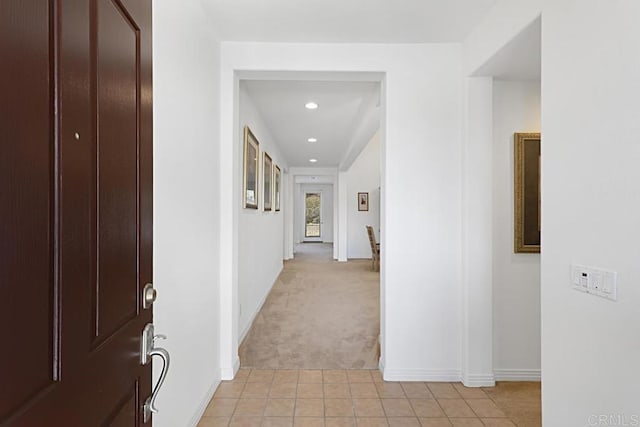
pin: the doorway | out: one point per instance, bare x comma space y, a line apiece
313, 217
312, 147
509, 89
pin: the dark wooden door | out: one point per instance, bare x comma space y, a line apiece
75, 211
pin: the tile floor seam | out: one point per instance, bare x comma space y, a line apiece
472, 410
438, 403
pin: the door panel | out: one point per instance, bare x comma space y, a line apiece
27, 245
116, 167
75, 211
124, 414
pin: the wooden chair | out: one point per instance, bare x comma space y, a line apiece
375, 249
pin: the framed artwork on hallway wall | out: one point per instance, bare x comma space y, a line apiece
267, 181
250, 170
527, 197
363, 201
276, 186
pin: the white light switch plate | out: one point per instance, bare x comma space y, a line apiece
595, 281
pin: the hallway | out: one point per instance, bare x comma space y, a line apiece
320, 314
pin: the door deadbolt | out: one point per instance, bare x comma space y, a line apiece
148, 296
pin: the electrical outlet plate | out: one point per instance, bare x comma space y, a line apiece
595, 281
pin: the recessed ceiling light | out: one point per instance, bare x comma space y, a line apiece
312, 140
310, 105
313, 160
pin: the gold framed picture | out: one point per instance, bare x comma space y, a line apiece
276, 185
363, 201
267, 181
250, 170
527, 197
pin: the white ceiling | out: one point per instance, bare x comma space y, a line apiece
519, 59
342, 105
314, 179
346, 21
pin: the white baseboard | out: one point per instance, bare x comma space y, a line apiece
246, 330
517, 374
203, 404
479, 380
227, 374
236, 366
421, 375
476, 380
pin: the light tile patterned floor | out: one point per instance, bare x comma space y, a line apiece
339, 398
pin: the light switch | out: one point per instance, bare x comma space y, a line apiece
609, 282
595, 281
584, 279
580, 276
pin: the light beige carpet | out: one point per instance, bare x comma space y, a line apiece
320, 314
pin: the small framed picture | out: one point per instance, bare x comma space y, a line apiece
276, 185
267, 169
363, 201
250, 170
527, 193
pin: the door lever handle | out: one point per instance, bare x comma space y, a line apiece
150, 404
147, 351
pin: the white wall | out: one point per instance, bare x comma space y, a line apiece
363, 177
476, 302
260, 233
506, 20
342, 214
287, 194
186, 208
590, 209
590, 205
516, 277
420, 181
326, 214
